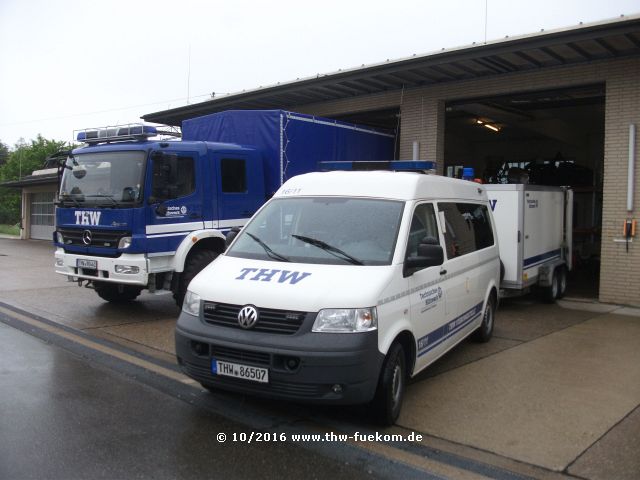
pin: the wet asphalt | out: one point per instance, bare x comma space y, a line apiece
62, 417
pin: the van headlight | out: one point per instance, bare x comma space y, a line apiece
191, 304
346, 320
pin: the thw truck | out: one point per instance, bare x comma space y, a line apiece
534, 225
134, 213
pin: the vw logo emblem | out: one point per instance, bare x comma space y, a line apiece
248, 316
86, 237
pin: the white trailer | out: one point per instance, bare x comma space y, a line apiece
534, 225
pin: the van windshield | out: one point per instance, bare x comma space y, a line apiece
325, 230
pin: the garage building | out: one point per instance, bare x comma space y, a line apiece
563, 103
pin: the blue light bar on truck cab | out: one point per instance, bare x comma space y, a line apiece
394, 165
112, 134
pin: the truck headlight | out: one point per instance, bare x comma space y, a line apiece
125, 242
59, 237
191, 304
346, 320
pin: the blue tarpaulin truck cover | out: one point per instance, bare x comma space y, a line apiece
291, 143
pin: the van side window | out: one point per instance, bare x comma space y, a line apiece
468, 228
423, 224
233, 172
173, 177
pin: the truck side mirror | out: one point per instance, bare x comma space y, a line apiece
161, 210
231, 235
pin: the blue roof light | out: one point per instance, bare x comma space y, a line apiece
134, 131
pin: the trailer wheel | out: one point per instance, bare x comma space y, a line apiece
562, 281
551, 293
196, 262
485, 330
390, 392
116, 293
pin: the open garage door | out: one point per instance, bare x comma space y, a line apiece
551, 137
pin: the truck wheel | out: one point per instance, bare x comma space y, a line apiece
550, 293
195, 264
390, 392
485, 330
115, 292
562, 281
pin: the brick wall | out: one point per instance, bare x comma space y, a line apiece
423, 120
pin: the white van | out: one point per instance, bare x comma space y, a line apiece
343, 286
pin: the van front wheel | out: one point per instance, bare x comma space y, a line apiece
391, 385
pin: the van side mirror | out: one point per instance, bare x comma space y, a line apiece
429, 255
231, 235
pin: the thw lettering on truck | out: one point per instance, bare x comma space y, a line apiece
269, 274
87, 218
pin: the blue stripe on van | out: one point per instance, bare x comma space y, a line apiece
441, 334
538, 259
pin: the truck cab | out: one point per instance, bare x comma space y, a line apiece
134, 213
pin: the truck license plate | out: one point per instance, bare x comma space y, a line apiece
228, 369
82, 263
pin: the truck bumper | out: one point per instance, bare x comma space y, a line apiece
339, 369
67, 264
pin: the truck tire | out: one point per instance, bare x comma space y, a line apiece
387, 401
116, 292
485, 330
195, 264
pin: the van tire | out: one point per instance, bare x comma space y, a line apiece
484, 332
196, 262
387, 401
116, 292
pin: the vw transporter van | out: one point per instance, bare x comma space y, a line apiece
342, 287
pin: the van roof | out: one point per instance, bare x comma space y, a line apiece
382, 184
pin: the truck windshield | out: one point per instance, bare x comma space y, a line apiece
326, 230
110, 179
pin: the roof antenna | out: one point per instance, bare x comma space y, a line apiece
189, 75
486, 8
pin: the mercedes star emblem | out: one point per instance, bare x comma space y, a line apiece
86, 237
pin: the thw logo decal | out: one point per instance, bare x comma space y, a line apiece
88, 218
271, 274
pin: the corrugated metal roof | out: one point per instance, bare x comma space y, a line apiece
604, 40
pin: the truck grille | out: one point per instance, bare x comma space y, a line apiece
99, 238
283, 322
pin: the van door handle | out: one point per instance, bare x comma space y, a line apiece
443, 272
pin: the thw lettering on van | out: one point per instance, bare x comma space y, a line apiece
88, 218
493, 204
269, 274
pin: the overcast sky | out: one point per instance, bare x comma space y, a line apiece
67, 65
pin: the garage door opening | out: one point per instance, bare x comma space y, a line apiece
551, 137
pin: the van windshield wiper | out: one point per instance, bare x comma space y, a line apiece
329, 248
267, 248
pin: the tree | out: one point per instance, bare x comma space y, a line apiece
22, 161
4, 154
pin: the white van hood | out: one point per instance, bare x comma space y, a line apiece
291, 286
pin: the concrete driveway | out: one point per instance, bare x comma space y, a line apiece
557, 388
